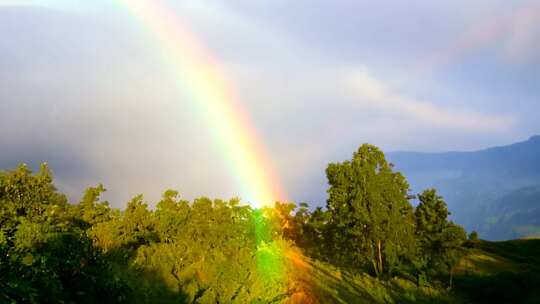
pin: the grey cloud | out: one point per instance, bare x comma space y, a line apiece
91, 95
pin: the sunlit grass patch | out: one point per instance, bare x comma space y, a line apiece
483, 263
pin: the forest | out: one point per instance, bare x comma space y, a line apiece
373, 242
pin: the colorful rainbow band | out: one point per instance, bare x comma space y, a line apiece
199, 74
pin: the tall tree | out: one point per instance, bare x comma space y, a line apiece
370, 211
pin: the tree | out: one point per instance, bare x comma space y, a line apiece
171, 216
370, 213
440, 239
473, 236
91, 210
137, 225
44, 256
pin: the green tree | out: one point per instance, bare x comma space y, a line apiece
473, 236
171, 216
440, 239
371, 216
91, 210
44, 256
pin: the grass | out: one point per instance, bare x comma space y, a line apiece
490, 272
500, 272
313, 281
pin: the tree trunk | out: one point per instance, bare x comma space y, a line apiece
380, 257
451, 277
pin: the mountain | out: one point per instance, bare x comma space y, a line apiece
492, 191
514, 215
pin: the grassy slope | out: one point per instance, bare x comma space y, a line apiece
312, 281
490, 272
500, 272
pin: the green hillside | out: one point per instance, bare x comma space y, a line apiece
489, 272
500, 272
318, 282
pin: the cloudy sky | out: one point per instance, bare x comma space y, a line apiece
84, 87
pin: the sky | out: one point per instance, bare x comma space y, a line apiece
84, 87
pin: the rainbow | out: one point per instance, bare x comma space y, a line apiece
198, 72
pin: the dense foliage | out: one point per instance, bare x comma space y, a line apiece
215, 251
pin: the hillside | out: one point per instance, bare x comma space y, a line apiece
489, 272
313, 281
480, 187
500, 272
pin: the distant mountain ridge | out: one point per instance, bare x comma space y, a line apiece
524, 158
484, 189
